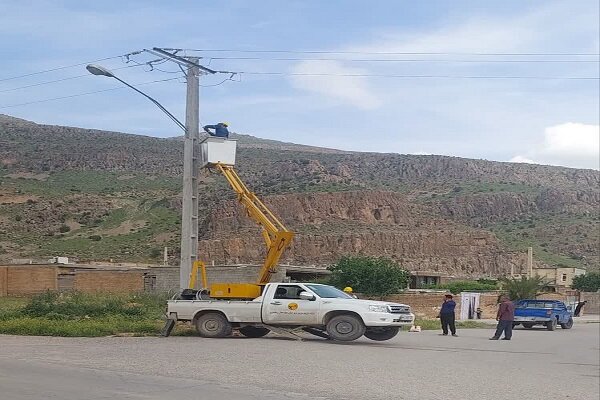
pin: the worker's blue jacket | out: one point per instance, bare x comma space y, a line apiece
220, 130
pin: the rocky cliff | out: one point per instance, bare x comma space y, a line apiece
97, 195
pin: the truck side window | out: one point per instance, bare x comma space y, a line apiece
288, 292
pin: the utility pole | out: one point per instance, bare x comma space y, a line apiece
189, 212
191, 151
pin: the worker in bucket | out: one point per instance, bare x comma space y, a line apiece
348, 291
220, 130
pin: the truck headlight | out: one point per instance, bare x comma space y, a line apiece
378, 308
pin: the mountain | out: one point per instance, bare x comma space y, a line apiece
92, 194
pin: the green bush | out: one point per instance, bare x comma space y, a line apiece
53, 305
82, 314
589, 282
524, 288
64, 229
456, 287
371, 276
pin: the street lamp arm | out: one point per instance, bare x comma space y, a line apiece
181, 125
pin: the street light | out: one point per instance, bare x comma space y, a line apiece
101, 71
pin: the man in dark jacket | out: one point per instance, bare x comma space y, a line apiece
447, 316
220, 130
505, 318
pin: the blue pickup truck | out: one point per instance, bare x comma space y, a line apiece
549, 313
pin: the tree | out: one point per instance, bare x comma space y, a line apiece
589, 282
373, 276
524, 288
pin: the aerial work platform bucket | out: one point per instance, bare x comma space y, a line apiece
215, 150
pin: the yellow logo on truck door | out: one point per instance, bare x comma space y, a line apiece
293, 306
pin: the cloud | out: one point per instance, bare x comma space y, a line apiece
521, 159
353, 90
570, 144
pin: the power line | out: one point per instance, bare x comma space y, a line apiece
420, 76
86, 93
386, 52
59, 68
397, 60
60, 80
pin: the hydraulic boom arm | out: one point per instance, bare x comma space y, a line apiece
276, 236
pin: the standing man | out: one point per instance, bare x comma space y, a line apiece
580, 305
447, 316
220, 130
505, 318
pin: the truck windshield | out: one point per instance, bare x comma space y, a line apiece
328, 292
539, 304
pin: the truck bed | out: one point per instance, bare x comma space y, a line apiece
237, 311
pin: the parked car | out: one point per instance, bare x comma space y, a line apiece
549, 313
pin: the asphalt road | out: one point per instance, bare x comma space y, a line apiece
536, 364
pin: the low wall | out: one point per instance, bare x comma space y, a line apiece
27, 280
108, 281
593, 302
167, 278
428, 305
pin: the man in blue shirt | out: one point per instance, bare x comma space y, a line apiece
447, 316
220, 130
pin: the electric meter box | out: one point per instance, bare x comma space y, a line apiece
215, 150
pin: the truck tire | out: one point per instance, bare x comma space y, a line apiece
527, 325
568, 324
254, 331
381, 334
213, 325
551, 325
345, 328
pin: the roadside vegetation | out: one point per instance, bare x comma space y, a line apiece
456, 287
589, 282
371, 276
434, 324
82, 314
524, 287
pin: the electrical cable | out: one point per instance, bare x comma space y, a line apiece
60, 68
86, 93
418, 76
61, 80
396, 60
388, 53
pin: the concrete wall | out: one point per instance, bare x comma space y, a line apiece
27, 280
167, 278
108, 281
593, 302
428, 305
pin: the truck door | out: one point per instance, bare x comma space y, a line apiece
283, 305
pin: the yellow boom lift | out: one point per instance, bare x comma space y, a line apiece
275, 234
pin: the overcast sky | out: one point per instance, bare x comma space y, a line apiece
445, 111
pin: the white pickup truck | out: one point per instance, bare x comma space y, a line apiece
321, 310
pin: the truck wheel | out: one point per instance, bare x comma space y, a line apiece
527, 326
345, 328
568, 324
254, 331
551, 325
381, 334
213, 325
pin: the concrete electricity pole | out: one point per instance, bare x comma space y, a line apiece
191, 153
191, 150
189, 211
